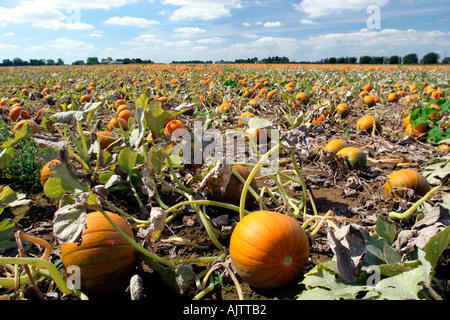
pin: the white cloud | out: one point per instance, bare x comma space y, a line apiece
43, 16
382, 38
262, 48
213, 40
143, 40
202, 9
131, 21
34, 49
270, 24
81, 4
8, 34
319, 8
67, 44
96, 33
57, 25
188, 32
250, 36
8, 46
306, 21
246, 24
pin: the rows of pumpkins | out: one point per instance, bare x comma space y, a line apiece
263, 256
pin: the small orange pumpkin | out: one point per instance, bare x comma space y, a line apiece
245, 114
31, 124
105, 139
418, 131
119, 102
406, 178
121, 107
106, 260
342, 110
369, 101
174, 125
17, 111
46, 170
335, 145
393, 97
271, 93
116, 123
268, 249
302, 97
355, 157
366, 123
85, 98
125, 114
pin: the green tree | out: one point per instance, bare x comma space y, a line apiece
394, 60
59, 62
430, 58
92, 61
410, 59
365, 60
446, 60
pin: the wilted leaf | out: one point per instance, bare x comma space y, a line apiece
348, 246
157, 224
68, 223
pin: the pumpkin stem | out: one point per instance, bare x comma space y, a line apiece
410, 211
50, 271
136, 245
250, 178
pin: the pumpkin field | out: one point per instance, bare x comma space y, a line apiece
224, 182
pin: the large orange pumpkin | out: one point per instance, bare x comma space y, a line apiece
106, 260
268, 249
406, 178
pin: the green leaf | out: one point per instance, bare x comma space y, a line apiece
436, 245
156, 116
10, 198
62, 181
6, 156
157, 156
127, 160
404, 286
7, 234
385, 230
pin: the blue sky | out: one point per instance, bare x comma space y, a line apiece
167, 30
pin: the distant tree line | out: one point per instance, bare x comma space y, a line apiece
31, 62
60, 62
412, 58
109, 60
